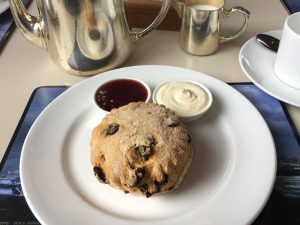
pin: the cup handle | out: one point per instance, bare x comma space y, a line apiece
227, 13
159, 18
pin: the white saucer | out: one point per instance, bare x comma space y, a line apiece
257, 63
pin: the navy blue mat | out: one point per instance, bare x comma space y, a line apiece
283, 206
292, 5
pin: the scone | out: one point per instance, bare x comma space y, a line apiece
141, 148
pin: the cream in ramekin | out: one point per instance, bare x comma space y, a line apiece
188, 99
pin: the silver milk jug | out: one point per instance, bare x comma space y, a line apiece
201, 22
84, 37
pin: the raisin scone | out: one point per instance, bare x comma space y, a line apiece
141, 148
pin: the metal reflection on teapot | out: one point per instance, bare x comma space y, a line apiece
200, 26
84, 37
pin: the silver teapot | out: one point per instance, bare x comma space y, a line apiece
84, 37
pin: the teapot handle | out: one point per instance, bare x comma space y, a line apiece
31, 27
161, 15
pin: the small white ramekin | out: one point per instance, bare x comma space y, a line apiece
194, 116
140, 82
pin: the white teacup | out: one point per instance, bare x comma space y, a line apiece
287, 62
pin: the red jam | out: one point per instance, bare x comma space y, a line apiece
116, 93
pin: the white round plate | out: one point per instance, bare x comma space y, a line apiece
230, 178
4, 5
257, 63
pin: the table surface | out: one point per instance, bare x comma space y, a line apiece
24, 67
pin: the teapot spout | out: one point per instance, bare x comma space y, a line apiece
178, 5
30, 26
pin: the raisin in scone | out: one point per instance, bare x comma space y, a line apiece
141, 148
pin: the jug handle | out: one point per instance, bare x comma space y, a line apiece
227, 13
178, 5
30, 26
161, 15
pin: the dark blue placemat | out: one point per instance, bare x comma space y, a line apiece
292, 5
283, 206
13, 207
